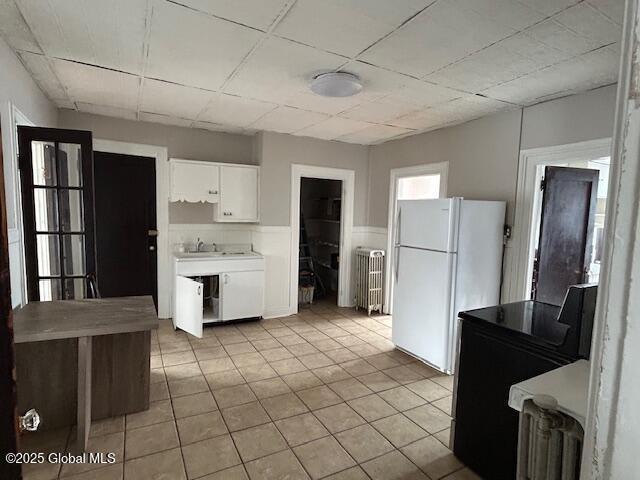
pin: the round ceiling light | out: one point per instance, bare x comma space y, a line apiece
336, 84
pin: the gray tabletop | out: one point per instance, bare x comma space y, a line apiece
41, 321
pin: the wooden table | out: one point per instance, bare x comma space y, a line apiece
83, 320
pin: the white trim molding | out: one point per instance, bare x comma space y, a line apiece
440, 168
347, 177
518, 284
162, 209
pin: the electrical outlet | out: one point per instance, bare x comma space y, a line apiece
507, 232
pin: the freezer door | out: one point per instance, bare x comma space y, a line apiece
429, 224
188, 305
422, 303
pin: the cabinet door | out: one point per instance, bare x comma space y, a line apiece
188, 306
242, 295
194, 182
239, 194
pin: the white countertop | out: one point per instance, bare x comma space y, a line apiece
199, 256
568, 385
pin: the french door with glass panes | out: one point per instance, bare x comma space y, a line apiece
56, 172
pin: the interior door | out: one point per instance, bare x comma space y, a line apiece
126, 231
566, 231
242, 294
421, 304
189, 303
56, 174
239, 187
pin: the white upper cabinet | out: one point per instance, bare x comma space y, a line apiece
238, 194
194, 181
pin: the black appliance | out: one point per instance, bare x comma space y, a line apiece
501, 346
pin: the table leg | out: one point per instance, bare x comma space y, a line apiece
84, 392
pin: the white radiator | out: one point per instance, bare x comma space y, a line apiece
549, 443
369, 279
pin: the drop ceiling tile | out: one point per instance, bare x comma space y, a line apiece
104, 33
40, 68
470, 107
614, 9
174, 100
424, 94
549, 7
305, 99
380, 111
280, 68
561, 38
257, 14
442, 34
333, 127
345, 27
590, 23
374, 134
237, 111
99, 86
216, 127
510, 13
287, 120
164, 119
107, 111
195, 49
15, 30
422, 120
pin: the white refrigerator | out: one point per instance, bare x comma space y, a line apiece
448, 258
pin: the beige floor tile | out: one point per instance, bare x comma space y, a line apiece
319, 397
323, 457
287, 366
278, 466
315, 360
331, 373
245, 359
258, 441
158, 391
155, 361
399, 430
401, 398
364, 443
258, 371
111, 472
445, 381
378, 381
238, 348
245, 416
157, 375
432, 457
167, 348
274, 354
463, 474
41, 471
216, 365
154, 438
194, 404
403, 374
365, 350
108, 425
339, 417
326, 345
444, 436
301, 349
231, 339
393, 465
188, 386
428, 390
354, 473
111, 443
270, 387
179, 372
283, 406
291, 340
210, 353
200, 427
301, 429
350, 388
302, 380
382, 361
232, 396
358, 367
281, 331
209, 456
430, 418
444, 404
422, 368
266, 344
228, 378
204, 342
340, 355
178, 358
372, 407
158, 412
233, 473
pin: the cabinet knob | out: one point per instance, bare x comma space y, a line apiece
213, 192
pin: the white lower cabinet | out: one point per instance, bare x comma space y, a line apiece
242, 294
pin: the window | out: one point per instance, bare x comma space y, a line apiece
419, 187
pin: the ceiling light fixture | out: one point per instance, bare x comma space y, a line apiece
336, 84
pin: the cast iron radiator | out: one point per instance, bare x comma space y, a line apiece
369, 279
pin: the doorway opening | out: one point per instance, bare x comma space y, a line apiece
319, 247
420, 182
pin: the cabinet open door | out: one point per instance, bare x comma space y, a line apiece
188, 306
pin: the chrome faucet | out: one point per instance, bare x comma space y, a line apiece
199, 245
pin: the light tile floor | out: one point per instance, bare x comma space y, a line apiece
322, 394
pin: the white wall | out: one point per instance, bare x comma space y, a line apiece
17, 89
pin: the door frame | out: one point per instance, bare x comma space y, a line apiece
162, 209
441, 168
299, 171
524, 232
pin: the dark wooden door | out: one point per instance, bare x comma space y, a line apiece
8, 435
566, 231
125, 198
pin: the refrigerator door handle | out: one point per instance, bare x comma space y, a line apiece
397, 260
398, 225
